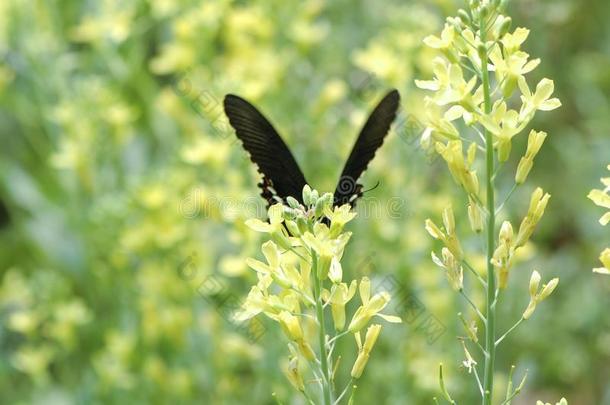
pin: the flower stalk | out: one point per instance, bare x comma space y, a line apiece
490, 304
326, 383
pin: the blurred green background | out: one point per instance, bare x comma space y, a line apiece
122, 191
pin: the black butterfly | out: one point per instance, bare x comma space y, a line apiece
281, 174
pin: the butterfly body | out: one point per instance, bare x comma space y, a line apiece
282, 176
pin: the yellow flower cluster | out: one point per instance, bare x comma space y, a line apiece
457, 87
302, 275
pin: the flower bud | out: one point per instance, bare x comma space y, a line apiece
319, 207
523, 169
534, 142
363, 354
464, 16
474, 216
505, 26
293, 228
433, 230
538, 203
281, 239
314, 197
292, 202
307, 200
335, 272
548, 289
506, 233
504, 147
534, 283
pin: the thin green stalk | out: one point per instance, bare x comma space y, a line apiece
322, 335
490, 325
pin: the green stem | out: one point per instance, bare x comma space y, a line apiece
317, 286
490, 325
515, 326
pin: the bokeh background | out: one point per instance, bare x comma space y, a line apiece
123, 196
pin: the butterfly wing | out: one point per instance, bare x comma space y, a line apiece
281, 174
369, 140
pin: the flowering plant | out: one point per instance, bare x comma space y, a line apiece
301, 282
481, 101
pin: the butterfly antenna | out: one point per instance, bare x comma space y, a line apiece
372, 188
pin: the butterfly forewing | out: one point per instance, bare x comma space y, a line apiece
369, 140
282, 176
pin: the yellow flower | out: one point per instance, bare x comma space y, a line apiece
512, 42
273, 267
276, 218
338, 296
275, 226
540, 100
504, 124
339, 216
329, 250
445, 41
511, 68
370, 307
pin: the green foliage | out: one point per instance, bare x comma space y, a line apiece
124, 243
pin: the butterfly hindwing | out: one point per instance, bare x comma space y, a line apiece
369, 140
282, 176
